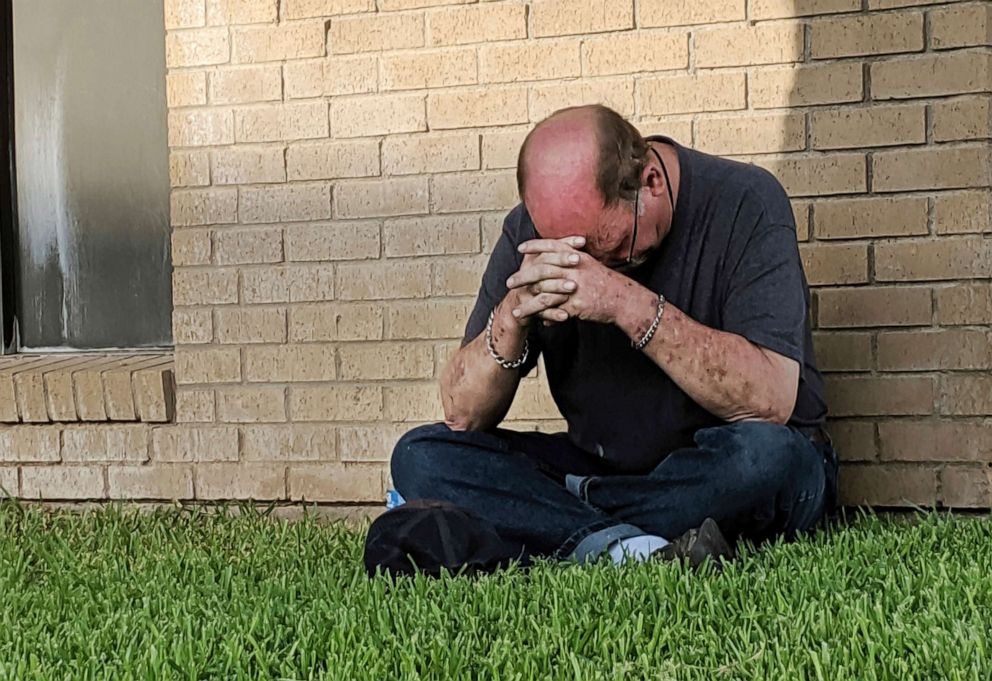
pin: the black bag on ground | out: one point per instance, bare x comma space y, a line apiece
427, 536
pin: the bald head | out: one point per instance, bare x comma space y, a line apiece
578, 169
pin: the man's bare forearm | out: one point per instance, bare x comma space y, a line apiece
723, 372
476, 392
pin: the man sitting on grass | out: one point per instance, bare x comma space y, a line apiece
664, 288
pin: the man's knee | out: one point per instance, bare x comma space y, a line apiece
764, 452
414, 457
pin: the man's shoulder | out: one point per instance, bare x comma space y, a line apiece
745, 183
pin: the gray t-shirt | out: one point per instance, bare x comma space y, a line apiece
730, 262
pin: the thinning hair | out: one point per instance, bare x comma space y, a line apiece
622, 153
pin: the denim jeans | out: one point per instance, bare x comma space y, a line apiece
550, 498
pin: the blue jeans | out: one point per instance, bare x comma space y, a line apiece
550, 498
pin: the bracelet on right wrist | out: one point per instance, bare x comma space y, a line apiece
502, 361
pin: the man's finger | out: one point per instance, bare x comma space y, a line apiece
535, 273
550, 245
552, 315
553, 286
538, 303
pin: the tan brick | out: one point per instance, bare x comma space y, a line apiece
195, 443
946, 258
241, 246
118, 388
376, 32
395, 5
931, 75
870, 217
150, 482
960, 25
207, 365
288, 284
965, 304
853, 440
843, 351
378, 198
474, 192
9, 485
874, 126
963, 212
966, 487
184, 14
766, 43
278, 122
931, 168
616, 94
880, 395
201, 127
800, 213
336, 403
30, 443
59, 391
251, 325
500, 148
289, 443
190, 247
477, 24
892, 4
430, 153
378, 115
154, 394
431, 236
253, 480
432, 319
339, 241
194, 406
197, 47
867, 307
751, 134
285, 203
335, 322
378, 281
226, 12
634, 53
186, 88
290, 363
944, 350
330, 77
430, 69
945, 440
204, 287
306, 9
867, 34
248, 165
390, 361
477, 108
31, 403
533, 401
295, 40
242, 84
564, 17
835, 263
516, 62
62, 482
780, 9
336, 482
106, 443
789, 86
711, 91
818, 175
964, 118
417, 402
679, 129
888, 485
966, 394
251, 405
192, 326
212, 206
369, 443
331, 160
88, 390
684, 12
189, 168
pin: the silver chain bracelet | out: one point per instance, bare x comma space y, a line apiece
502, 361
649, 334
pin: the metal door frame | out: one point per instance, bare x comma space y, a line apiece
8, 193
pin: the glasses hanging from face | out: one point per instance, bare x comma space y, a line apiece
637, 197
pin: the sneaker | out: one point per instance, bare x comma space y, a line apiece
698, 544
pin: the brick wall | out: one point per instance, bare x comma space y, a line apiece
341, 169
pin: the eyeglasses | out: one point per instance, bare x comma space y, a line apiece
637, 196
633, 238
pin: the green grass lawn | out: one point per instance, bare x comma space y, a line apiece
182, 594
